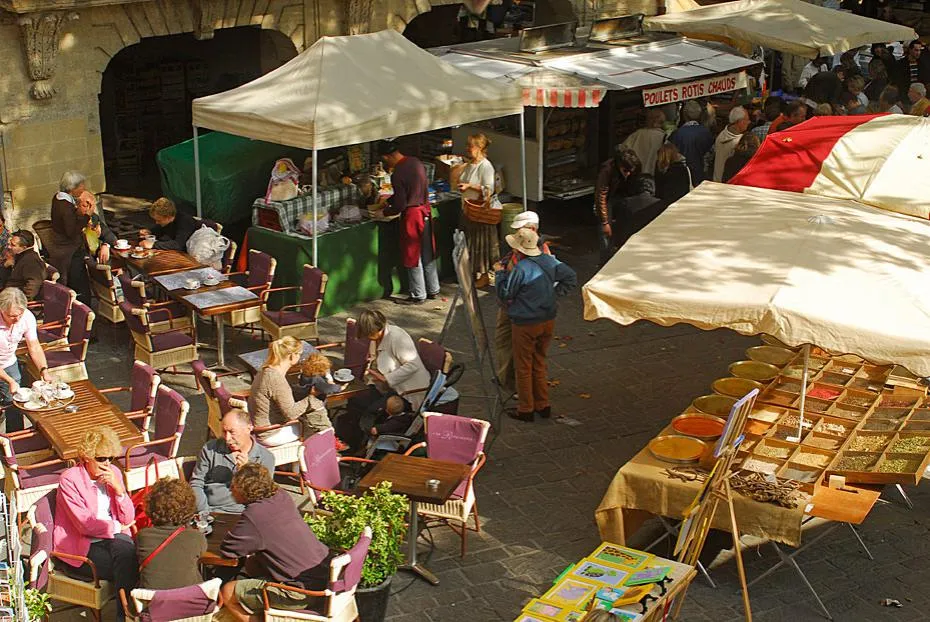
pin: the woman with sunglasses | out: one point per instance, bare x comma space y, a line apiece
93, 514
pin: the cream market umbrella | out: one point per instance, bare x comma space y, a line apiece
802, 268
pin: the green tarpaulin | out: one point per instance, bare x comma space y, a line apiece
233, 171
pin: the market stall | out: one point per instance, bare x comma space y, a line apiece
350, 90
588, 96
806, 270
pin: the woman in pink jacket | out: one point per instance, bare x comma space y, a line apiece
93, 513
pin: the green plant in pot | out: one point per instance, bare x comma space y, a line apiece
38, 604
340, 528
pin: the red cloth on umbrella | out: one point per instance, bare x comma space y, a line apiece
791, 159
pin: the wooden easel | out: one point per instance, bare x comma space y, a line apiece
699, 517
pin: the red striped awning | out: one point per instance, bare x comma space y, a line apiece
572, 97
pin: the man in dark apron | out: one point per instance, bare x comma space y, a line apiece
411, 201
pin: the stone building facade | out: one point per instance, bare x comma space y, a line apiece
55, 53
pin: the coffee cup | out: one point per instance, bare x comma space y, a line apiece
343, 375
191, 283
122, 244
139, 250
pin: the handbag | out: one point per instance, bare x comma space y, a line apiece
158, 549
481, 210
138, 498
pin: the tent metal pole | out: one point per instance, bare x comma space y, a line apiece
315, 221
523, 155
197, 173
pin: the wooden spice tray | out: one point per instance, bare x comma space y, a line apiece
883, 457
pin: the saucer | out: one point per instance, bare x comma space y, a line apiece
23, 395
343, 378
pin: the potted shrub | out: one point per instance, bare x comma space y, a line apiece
341, 526
38, 605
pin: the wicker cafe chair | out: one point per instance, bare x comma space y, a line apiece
158, 455
194, 603
54, 306
103, 287
32, 468
229, 257
51, 273
46, 566
461, 440
44, 233
162, 350
166, 315
299, 320
345, 571
256, 279
143, 386
355, 349
66, 360
320, 463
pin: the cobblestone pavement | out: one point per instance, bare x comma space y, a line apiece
542, 482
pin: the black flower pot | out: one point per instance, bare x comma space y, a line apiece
372, 602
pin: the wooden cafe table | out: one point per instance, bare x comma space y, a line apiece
64, 430
408, 476
158, 262
223, 522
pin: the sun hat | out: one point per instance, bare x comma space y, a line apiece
525, 219
525, 241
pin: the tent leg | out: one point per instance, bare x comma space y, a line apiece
197, 173
315, 168
523, 156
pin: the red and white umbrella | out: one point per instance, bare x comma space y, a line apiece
880, 160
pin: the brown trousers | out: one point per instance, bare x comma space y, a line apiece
503, 345
530, 343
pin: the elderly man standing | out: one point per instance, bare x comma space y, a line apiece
727, 140
17, 323
693, 140
411, 201
920, 105
219, 460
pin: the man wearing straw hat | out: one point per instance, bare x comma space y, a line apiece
502, 335
528, 293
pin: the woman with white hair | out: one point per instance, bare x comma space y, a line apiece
73, 210
16, 323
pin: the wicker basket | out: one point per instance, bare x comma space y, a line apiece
481, 212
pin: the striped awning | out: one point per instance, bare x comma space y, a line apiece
580, 97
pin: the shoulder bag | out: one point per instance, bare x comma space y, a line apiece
174, 534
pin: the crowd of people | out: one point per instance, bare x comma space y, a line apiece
677, 149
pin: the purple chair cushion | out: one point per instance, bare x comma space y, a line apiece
130, 293
43, 476
259, 268
321, 460
170, 340
42, 538
179, 603
353, 572
286, 318
140, 456
167, 414
56, 302
34, 442
141, 379
454, 439
60, 358
48, 335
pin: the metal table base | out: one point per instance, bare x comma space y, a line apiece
413, 533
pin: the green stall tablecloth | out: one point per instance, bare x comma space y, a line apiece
233, 171
362, 261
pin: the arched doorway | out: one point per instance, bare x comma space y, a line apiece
147, 89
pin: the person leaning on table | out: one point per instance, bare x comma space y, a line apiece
280, 546
172, 228
93, 515
17, 323
219, 460
529, 292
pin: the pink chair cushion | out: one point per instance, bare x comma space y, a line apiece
170, 340
42, 538
321, 460
454, 439
352, 573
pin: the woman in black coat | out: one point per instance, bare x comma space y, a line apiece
673, 179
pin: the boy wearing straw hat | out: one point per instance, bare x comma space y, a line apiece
528, 293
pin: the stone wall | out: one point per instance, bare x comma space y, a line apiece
49, 114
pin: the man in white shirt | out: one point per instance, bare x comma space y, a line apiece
810, 70
727, 139
16, 323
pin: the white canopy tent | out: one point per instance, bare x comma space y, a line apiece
805, 269
353, 89
790, 26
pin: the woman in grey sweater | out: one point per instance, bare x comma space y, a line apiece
271, 400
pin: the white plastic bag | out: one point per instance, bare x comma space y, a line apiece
307, 226
207, 247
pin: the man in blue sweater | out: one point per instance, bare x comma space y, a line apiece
528, 293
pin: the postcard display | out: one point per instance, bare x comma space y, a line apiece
853, 426
621, 580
